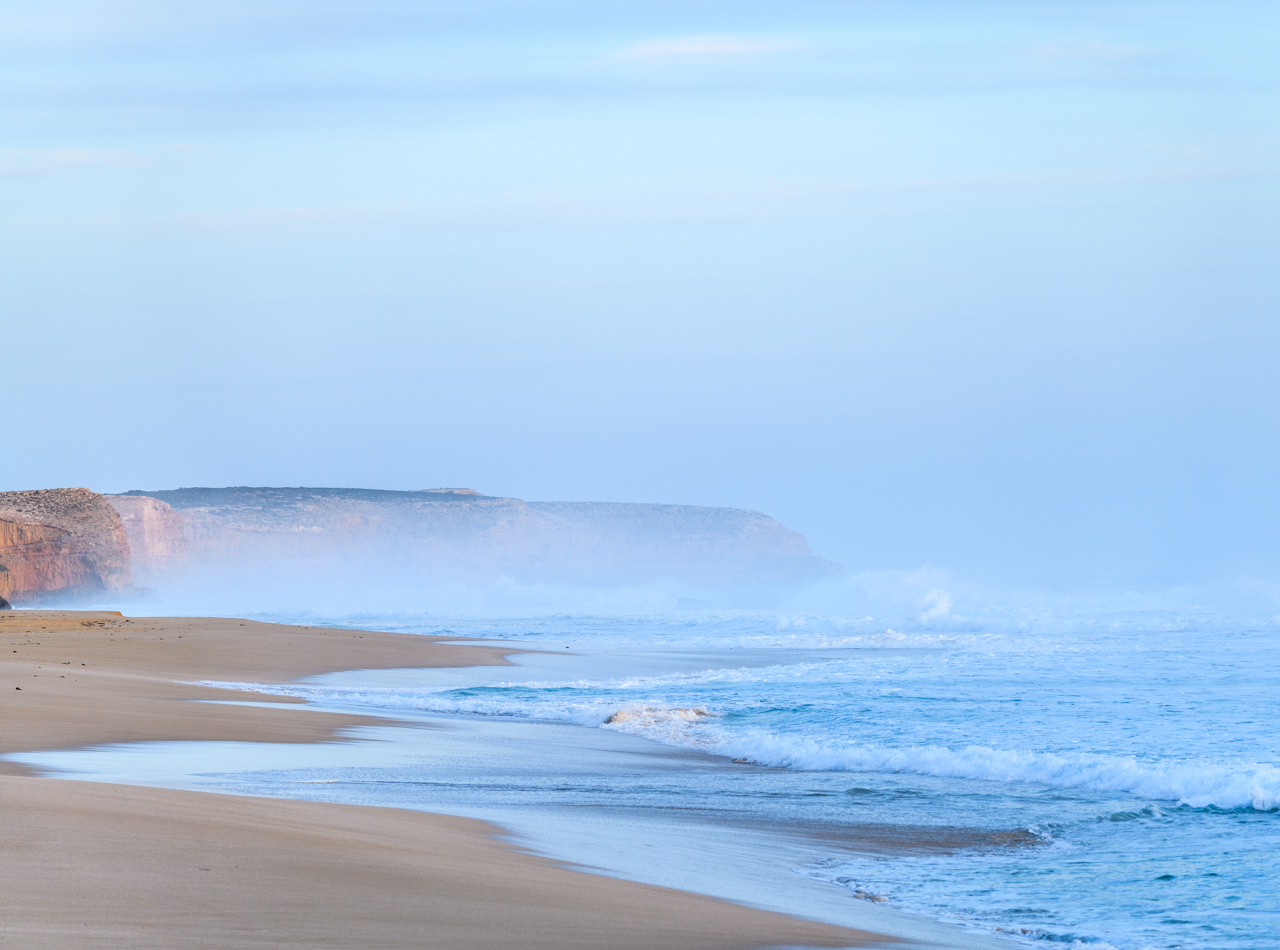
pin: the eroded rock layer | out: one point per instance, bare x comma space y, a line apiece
60, 544
157, 539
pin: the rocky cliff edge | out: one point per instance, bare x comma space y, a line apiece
60, 544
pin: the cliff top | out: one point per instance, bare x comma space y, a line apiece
77, 511
243, 495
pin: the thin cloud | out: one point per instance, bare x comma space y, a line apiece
703, 49
252, 219
51, 161
717, 198
1090, 52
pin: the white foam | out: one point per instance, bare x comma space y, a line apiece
1199, 783
654, 715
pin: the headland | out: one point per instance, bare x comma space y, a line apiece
75, 547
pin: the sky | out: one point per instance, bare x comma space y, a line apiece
988, 287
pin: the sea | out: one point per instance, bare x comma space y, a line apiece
1082, 776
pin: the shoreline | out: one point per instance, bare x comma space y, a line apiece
96, 677
134, 866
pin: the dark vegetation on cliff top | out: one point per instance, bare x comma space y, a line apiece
245, 495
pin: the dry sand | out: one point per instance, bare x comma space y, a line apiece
75, 678
93, 865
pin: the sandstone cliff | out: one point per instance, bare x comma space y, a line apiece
362, 535
157, 540
60, 544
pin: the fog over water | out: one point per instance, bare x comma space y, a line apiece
980, 288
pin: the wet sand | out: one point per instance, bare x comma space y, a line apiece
90, 864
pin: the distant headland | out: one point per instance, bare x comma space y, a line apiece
64, 545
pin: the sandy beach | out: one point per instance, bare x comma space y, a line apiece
89, 864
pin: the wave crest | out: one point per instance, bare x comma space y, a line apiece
1199, 784
655, 715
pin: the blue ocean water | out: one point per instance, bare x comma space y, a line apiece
1098, 780
1140, 753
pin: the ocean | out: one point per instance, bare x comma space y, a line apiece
1104, 779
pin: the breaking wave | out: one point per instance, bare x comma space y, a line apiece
652, 715
1197, 783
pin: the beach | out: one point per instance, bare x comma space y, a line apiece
106, 865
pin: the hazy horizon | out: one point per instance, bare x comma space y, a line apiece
983, 289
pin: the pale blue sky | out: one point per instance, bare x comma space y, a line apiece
987, 286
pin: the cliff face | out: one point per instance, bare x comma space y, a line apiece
360, 535
157, 539
60, 544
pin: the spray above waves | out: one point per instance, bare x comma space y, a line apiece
1197, 783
